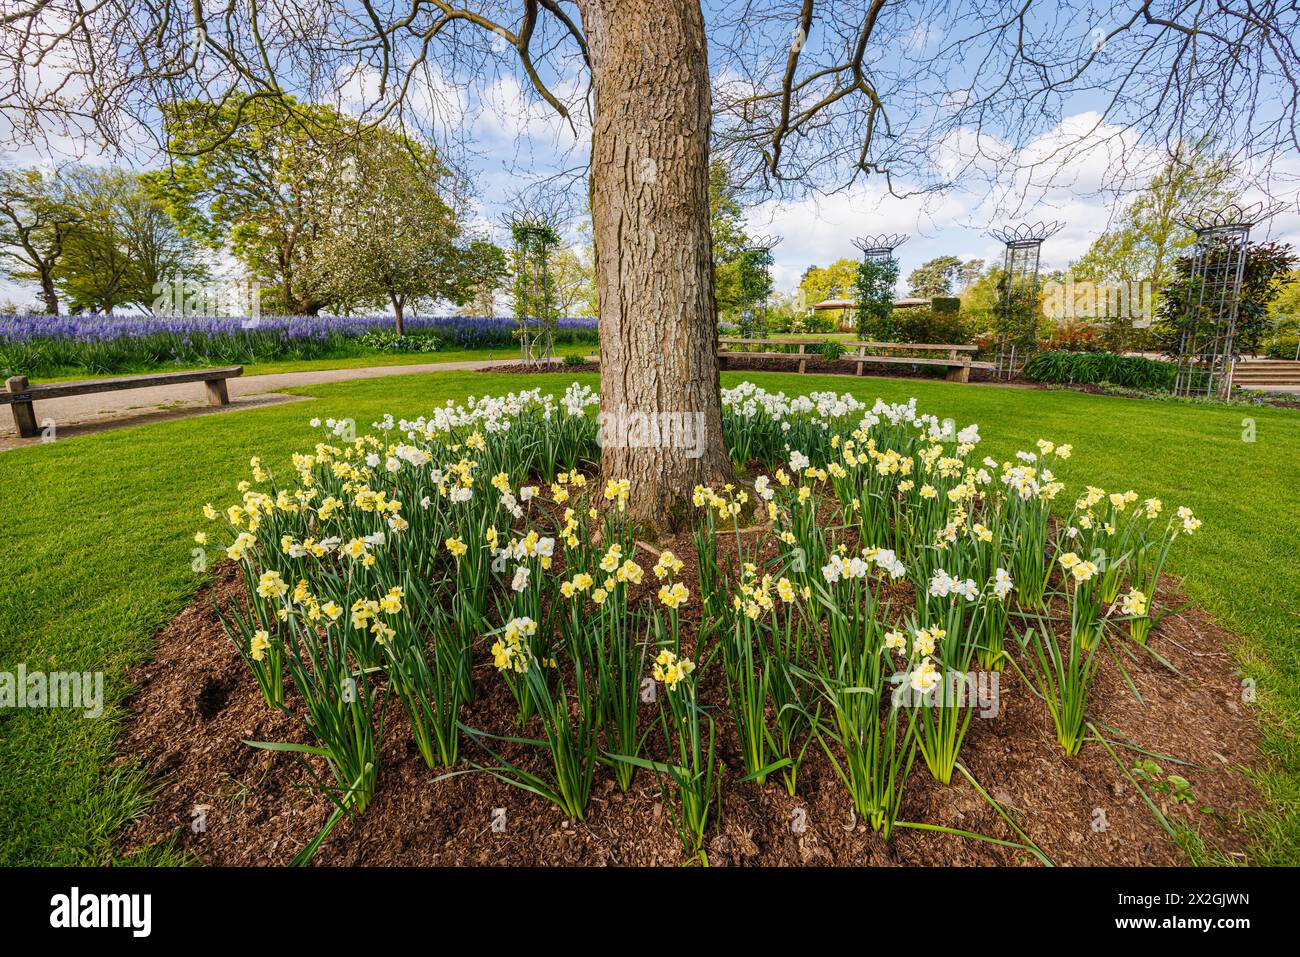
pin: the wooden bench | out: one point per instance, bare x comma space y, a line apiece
801, 342
957, 360
20, 395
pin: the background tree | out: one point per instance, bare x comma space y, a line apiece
486, 267
258, 174
389, 236
1287, 303
126, 243
1150, 234
35, 224
754, 287
936, 277
574, 277
836, 281
727, 229
971, 271
97, 271
980, 297
160, 250
1283, 341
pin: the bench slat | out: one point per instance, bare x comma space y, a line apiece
958, 361
855, 344
898, 360
766, 355
779, 340
54, 390
931, 346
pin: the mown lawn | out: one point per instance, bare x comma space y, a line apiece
97, 536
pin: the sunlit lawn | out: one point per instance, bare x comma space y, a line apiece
97, 532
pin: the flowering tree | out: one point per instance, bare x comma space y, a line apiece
259, 174
389, 236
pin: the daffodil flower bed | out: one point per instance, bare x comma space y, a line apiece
888, 561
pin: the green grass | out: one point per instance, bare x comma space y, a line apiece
97, 530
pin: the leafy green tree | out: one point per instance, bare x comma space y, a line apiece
260, 175
486, 267
1287, 303
1284, 312
836, 281
35, 225
755, 287
126, 246
162, 252
727, 230
936, 277
97, 271
388, 236
979, 297
875, 294
1150, 235
575, 281
970, 273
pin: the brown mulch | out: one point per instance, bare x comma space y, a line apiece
519, 368
1275, 399
196, 704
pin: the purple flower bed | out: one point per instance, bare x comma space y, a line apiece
47, 345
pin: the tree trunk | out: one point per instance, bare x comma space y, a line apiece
397, 312
48, 292
661, 420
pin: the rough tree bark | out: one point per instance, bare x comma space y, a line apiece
48, 292
659, 385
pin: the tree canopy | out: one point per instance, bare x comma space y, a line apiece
836, 281
93, 238
1150, 231
35, 223
368, 218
